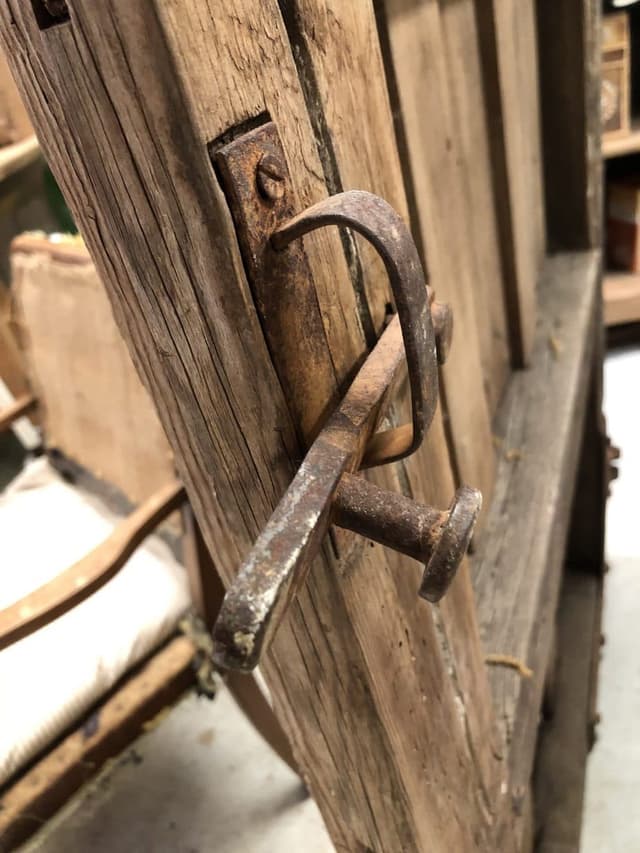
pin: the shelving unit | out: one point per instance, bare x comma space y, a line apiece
621, 298
621, 289
619, 146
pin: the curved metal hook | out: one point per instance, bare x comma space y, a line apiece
378, 222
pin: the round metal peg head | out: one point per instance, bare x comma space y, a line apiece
451, 543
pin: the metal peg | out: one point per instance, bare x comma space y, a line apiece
437, 538
325, 489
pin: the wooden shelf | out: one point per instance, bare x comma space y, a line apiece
618, 146
17, 155
621, 298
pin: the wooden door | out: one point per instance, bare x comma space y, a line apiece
384, 697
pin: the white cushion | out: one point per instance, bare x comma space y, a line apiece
51, 678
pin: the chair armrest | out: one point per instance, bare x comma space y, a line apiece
80, 580
17, 409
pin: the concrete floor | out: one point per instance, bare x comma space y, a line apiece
204, 781
612, 810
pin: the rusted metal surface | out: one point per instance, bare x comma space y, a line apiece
255, 177
279, 561
280, 558
437, 538
257, 185
378, 222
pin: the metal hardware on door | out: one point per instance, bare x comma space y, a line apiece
325, 489
434, 537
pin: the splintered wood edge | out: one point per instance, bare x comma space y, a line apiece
47, 785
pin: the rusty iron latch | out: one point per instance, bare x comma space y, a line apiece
326, 489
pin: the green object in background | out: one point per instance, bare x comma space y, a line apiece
56, 202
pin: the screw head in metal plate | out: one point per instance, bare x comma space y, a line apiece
270, 175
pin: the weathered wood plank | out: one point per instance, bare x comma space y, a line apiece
127, 99
418, 63
517, 566
480, 227
510, 73
341, 65
569, 51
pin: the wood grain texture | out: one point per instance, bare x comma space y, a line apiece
341, 66
508, 45
91, 572
94, 407
471, 143
418, 63
39, 793
569, 48
146, 88
435, 64
518, 562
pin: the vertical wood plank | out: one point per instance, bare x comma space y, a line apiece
413, 36
507, 31
470, 145
339, 57
126, 98
434, 61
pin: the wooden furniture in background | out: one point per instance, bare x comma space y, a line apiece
621, 291
95, 411
94, 408
202, 355
170, 83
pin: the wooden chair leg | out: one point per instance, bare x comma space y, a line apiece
207, 591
